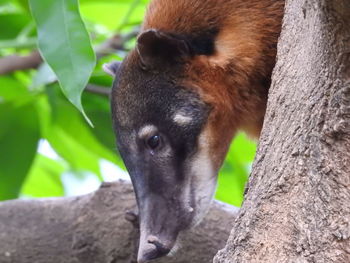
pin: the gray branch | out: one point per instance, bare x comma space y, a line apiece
13, 63
103, 91
93, 229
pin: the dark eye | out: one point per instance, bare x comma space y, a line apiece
153, 142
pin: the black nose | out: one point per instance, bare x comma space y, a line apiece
154, 249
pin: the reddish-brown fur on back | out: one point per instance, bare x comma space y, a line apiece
235, 79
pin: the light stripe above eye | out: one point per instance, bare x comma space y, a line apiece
182, 119
147, 131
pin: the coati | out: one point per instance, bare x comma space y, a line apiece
200, 72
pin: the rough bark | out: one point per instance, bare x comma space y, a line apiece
297, 203
93, 229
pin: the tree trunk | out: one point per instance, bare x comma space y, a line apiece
297, 203
93, 229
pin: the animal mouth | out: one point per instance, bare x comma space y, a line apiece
153, 248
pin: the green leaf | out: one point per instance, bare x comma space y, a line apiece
113, 14
19, 136
77, 154
44, 179
12, 24
12, 90
65, 45
24, 4
43, 76
70, 136
98, 109
9, 7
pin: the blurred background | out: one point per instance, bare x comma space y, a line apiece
47, 148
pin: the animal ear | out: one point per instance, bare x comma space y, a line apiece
111, 68
158, 49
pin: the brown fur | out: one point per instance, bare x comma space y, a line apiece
235, 79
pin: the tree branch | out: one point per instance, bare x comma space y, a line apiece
98, 90
93, 229
116, 42
12, 63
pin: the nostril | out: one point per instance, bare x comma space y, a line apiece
161, 248
153, 249
146, 253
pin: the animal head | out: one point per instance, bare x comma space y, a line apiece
170, 135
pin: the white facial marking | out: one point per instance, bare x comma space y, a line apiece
147, 131
181, 119
203, 179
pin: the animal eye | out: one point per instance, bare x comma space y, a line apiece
153, 142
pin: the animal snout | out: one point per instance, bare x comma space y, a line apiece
153, 249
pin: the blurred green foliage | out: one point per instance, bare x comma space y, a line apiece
47, 148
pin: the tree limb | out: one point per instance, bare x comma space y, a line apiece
98, 90
93, 229
12, 63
